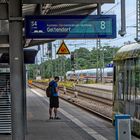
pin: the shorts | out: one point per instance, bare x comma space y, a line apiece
54, 102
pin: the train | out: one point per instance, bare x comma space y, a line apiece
126, 84
90, 74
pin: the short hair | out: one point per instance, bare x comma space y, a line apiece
56, 78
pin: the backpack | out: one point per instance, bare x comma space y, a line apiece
48, 91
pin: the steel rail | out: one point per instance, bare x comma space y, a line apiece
92, 97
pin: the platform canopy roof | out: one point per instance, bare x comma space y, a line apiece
52, 7
42, 7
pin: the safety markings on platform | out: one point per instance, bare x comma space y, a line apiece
83, 126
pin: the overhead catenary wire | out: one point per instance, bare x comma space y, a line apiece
112, 8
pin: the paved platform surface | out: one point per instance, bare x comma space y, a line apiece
75, 124
108, 86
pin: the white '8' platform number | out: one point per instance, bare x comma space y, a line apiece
102, 25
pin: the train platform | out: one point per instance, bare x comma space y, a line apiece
75, 123
99, 90
106, 86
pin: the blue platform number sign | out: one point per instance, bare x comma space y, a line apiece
77, 27
109, 65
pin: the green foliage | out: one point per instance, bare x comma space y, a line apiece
67, 84
32, 71
84, 59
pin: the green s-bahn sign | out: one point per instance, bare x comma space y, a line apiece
71, 27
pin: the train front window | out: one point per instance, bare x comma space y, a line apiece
92, 74
137, 82
109, 74
137, 90
84, 74
130, 80
120, 80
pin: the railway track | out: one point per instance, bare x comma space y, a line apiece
92, 97
97, 105
85, 94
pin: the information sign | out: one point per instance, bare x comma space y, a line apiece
70, 27
109, 65
63, 49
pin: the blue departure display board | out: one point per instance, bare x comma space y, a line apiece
70, 27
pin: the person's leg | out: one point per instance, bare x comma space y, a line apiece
51, 108
56, 107
50, 113
55, 112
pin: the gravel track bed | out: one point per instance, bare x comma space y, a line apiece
92, 97
93, 105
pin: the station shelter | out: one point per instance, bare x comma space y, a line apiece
14, 54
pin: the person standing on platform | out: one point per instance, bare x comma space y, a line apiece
54, 98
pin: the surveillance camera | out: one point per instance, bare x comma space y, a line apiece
122, 33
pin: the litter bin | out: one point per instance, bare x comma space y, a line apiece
123, 128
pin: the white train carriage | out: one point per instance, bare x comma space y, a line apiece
107, 74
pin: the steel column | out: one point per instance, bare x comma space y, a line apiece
16, 69
137, 21
24, 96
122, 32
98, 43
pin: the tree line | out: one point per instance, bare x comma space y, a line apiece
83, 59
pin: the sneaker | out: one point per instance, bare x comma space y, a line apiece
51, 118
57, 118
